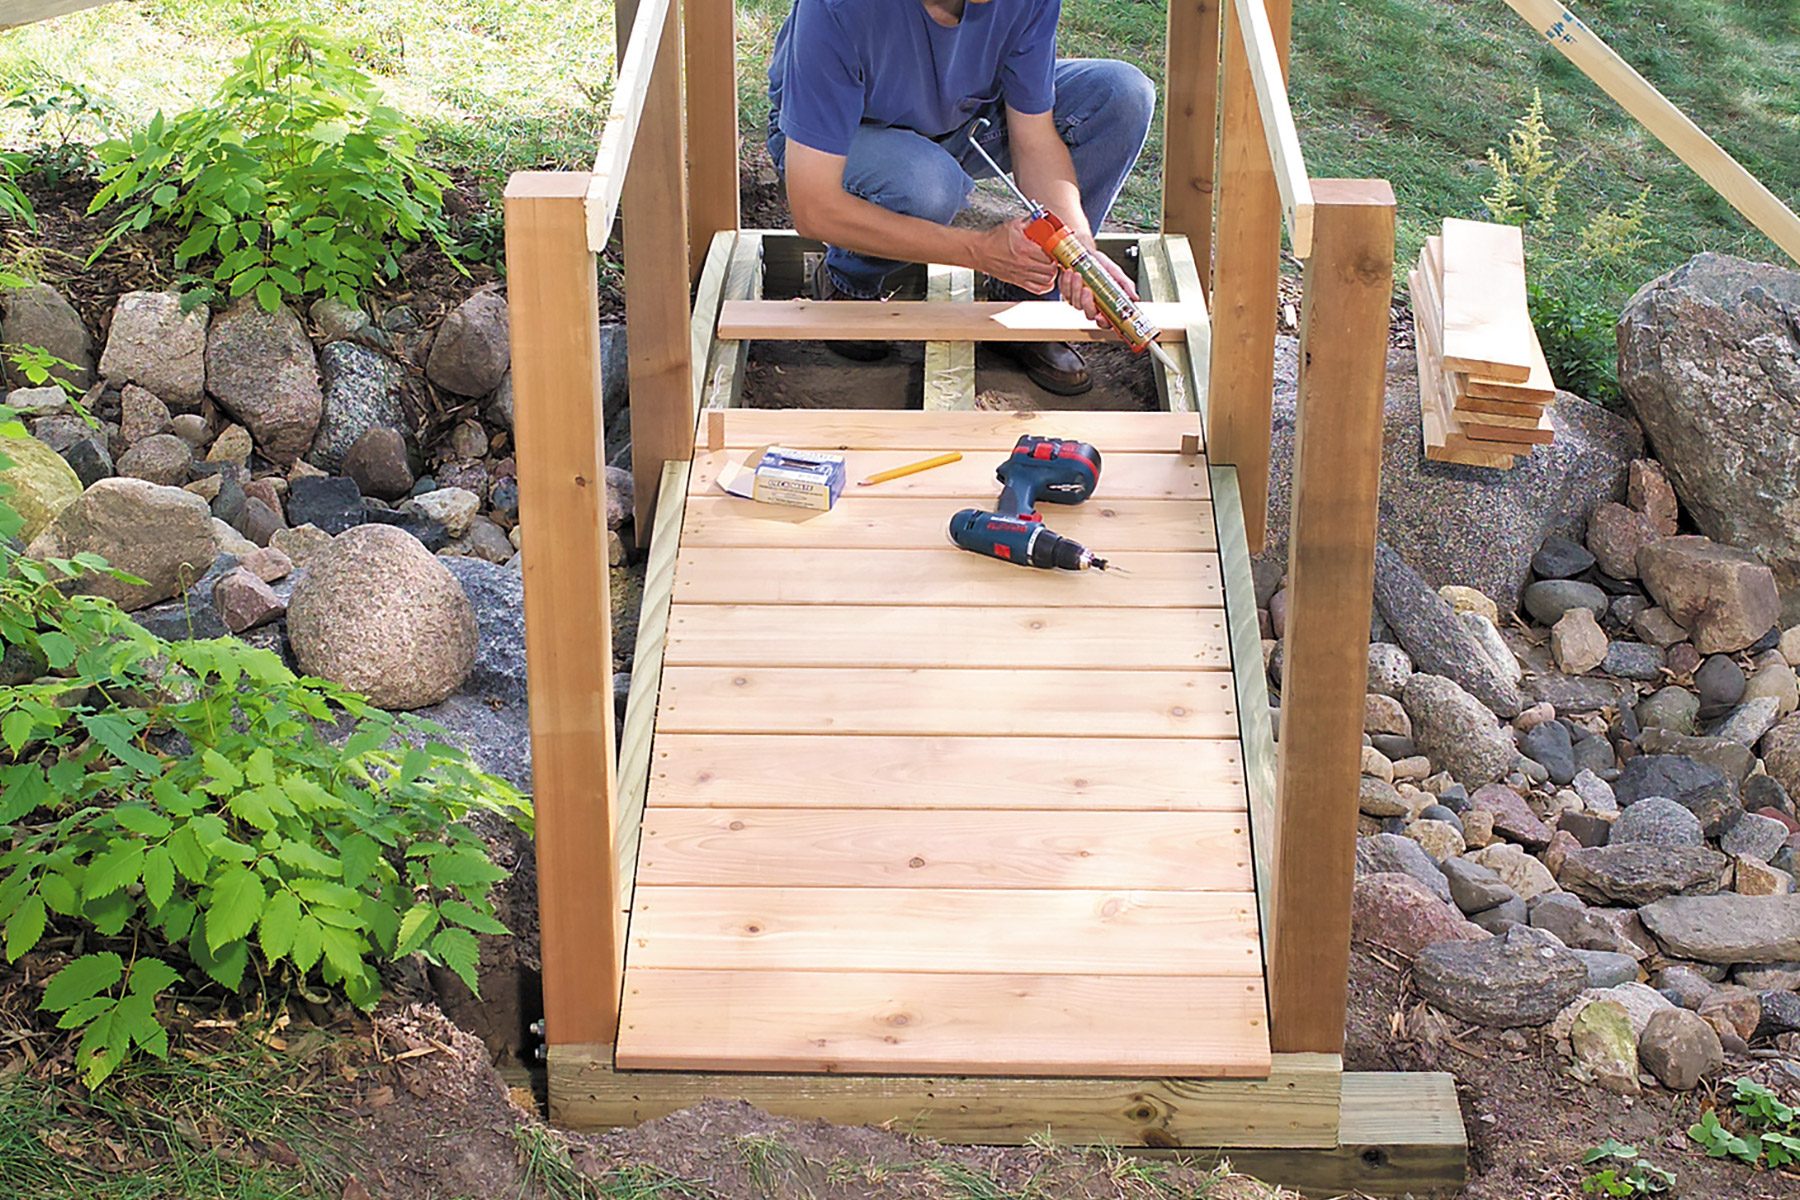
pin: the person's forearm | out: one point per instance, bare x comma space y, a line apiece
1046, 173
855, 224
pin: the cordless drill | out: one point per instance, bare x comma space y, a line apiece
1040, 468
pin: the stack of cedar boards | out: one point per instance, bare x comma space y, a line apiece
1484, 387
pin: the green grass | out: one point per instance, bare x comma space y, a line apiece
1412, 90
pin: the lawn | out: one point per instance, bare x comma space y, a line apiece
1413, 90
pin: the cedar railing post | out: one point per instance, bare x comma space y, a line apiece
1191, 125
1331, 571
656, 274
1246, 274
709, 36
553, 291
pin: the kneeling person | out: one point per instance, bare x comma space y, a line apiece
871, 104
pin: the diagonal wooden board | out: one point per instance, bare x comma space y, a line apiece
1487, 322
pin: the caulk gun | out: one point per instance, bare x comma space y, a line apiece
1056, 239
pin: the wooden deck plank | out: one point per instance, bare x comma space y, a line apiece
899, 429
1154, 639
1126, 476
947, 773
925, 321
941, 578
909, 523
1046, 703
1175, 851
842, 931
920, 1024
1487, 323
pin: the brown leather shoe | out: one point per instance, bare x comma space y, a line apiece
820, 287
1057, 367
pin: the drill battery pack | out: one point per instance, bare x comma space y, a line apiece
793, 478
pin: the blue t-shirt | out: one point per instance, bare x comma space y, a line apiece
841, 63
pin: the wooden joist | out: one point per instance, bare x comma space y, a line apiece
924, 321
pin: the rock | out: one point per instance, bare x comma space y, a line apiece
1697, 787
1560, 558
360, 391
1501, 917
1473, 887
1708, 363
1487, 636
1389, 668
1672, 708
621, 494
1732, 1009
1680, 1048
142, 415
233, 445
1725, 597
1633, 660
1780, 1014
1385, 714
1657, 821
1720, 682
155, 345
1648, 490
471, 352
261, 523
245, 601
1521, 872
1512, 816
1727, 928
332, 503
1607, 968
37, 315
499, 410
1658, 628
486, 540
1588, 829
336, 319
1378, 799
1637, 873
1781, 754
1754, 877
377, 461
1375, 764
38, 484
1778, 682
429, 532
90, 460
164, 459
1749, 721
1765, 791
487, 715
270, 490
1683, 986
261, 368
1439, 839
1605, 1049
452, 507
1395, 911
230, 542
1624, 610
1683, 659
1751, 836
468, 440
1731, 759
1521, 977
191, 428
1595, 793
1548, 599
300, 543
1575, 924
267, 563
1551, 745
375, 611
1615, 535
36, 402
162, 535
1456, 731
1390, 853
1468, 600
1770, 977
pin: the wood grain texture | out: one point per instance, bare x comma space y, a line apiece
1538, 387
865, 520
1191, 121
709, 46
1154, 639
557, 389
964, 772
637, 64
1166, 476
926, 1023
949, 366
1487, 322
1190, 292
1267, 60
1331, 565
924, 321
1440, 429
1296, 1106
942, 578
888, 848
945, 702
882, 429
840, 932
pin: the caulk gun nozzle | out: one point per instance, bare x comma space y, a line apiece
1163, 356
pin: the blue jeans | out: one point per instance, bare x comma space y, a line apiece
1103, 111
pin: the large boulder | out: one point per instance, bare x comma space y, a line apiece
261, 369
1466, 525
1435, 637
361, 391
35, 482
1398, 912
162, 535
1726, 928
1457, 732
1709, 362
37, 315
157, 346
376, 612
1724, 597
1521, 977
486, 716
472, 351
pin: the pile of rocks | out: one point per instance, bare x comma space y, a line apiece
1581, 817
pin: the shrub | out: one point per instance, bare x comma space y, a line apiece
190, 807
15, 206
67, 119
294, 179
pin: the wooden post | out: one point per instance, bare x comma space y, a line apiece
656, 274
1331, 571
554, 294
709, 38
1191, 123
1246, 273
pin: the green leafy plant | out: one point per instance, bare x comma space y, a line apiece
67, 119
189, 807
294, 179
15, 205
1528, 177
38, 365
1621, 1171
1770, 1134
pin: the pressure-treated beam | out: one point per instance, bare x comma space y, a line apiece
1191, 122
553, 290
709, 40
925, 321
1331, 569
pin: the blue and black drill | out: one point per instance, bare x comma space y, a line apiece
1040, 468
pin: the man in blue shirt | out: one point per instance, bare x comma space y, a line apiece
871, 104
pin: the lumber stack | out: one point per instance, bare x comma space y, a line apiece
1484, 386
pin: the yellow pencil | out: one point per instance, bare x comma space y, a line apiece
942, 460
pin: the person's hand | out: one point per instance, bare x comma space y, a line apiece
1006, 254
1076, 292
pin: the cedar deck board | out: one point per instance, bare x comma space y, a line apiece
924, 321
889, 772
1487, 323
